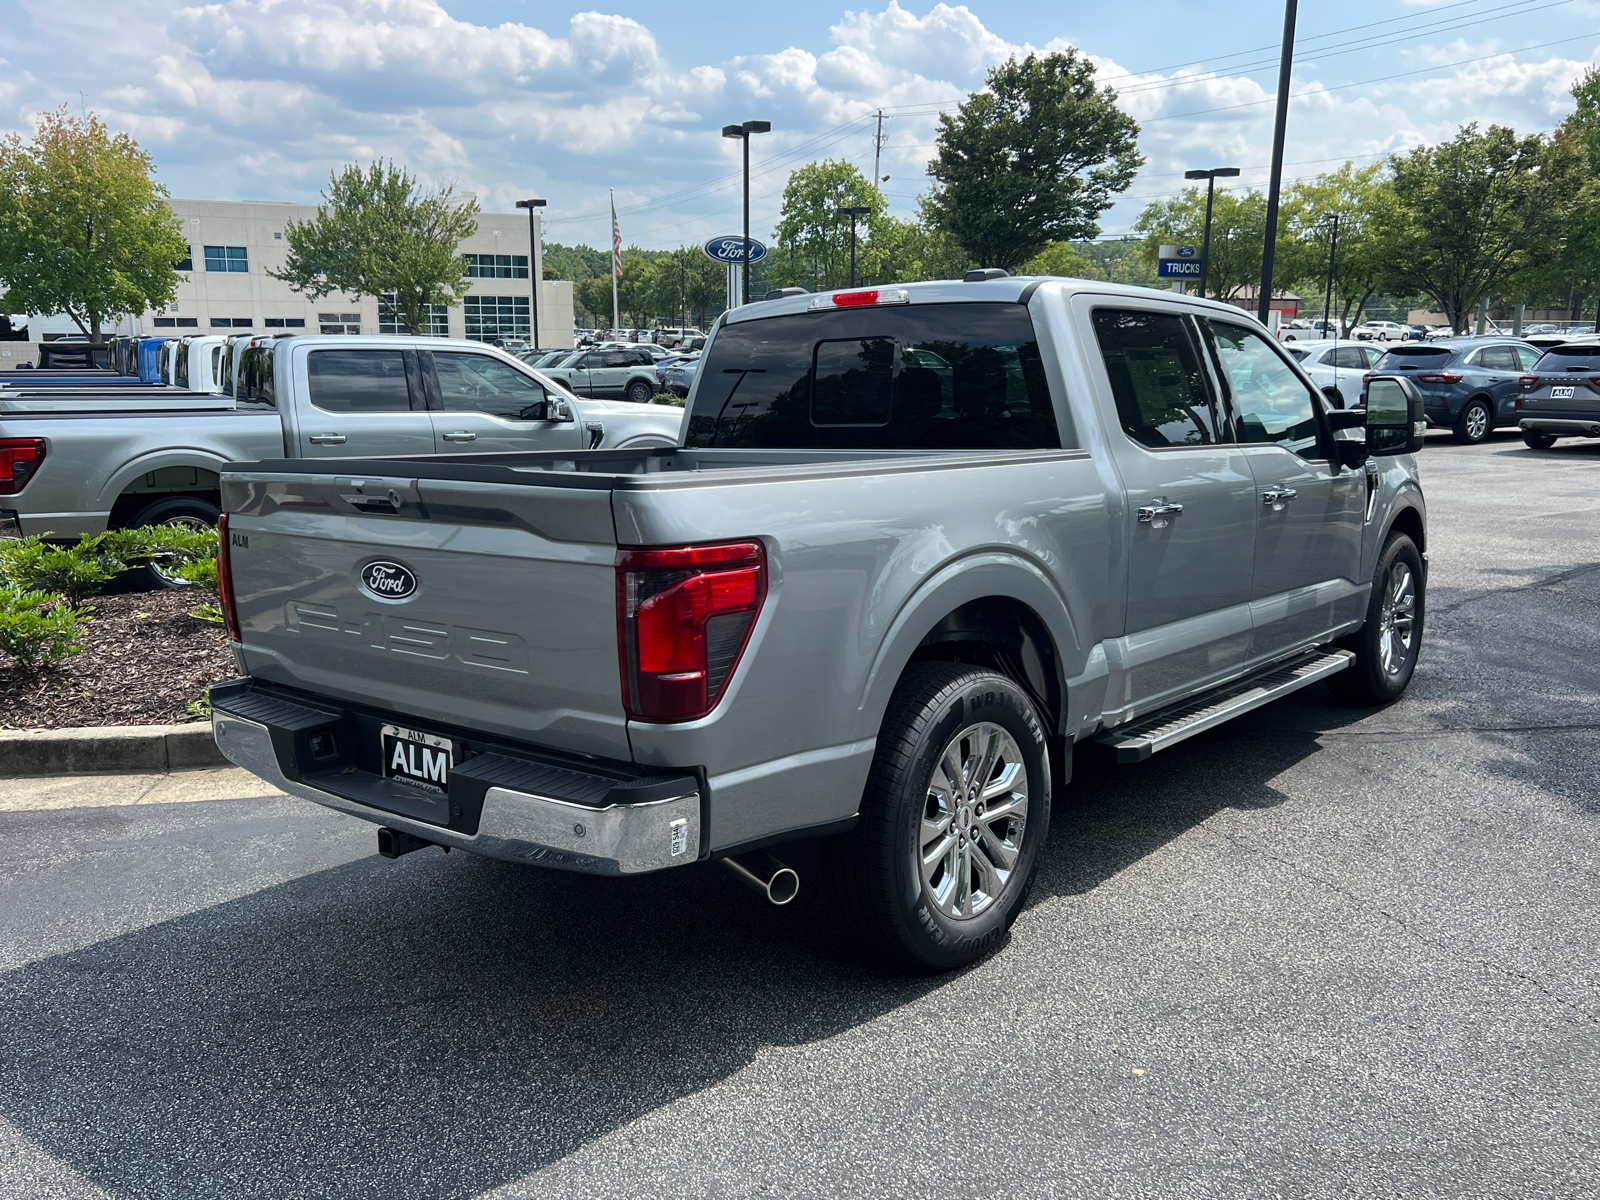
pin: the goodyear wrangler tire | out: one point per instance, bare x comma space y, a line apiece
956, 808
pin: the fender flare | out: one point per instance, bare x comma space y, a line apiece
119, 479
974, 576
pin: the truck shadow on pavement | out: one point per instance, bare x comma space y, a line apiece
441, 1026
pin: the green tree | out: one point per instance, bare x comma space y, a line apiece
1364, 201
1035, 158
813, 241
1576, 271
84, 230
1238, 233
1474, 213
379, 233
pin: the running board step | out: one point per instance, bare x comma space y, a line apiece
1138, 741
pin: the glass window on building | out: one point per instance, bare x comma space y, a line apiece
227, 258
186, 263
497, 266
492, 317
338, 322
285, 322
436, 323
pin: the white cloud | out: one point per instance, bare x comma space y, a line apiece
262, 98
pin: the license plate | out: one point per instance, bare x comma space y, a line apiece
418, 759
1563, 393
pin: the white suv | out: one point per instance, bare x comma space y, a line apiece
1381, 331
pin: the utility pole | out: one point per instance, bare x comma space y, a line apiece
1333, 248
1279, 128
877, 148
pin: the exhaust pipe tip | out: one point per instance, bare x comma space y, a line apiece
777, 881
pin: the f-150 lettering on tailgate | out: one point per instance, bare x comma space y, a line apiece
486, 648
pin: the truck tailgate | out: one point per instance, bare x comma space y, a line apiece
460, 603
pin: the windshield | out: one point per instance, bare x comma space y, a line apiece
865, 379
1414, 356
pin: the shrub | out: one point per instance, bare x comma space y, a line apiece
35, 631
73, 572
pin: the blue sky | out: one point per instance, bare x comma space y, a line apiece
259, 99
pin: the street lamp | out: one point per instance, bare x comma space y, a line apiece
533, 207
859, 210
1211, 190
743, 132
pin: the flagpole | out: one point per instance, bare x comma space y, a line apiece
616, 261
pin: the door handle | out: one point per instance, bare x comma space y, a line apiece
461, 435
326, 439
1159, 511
1278, 495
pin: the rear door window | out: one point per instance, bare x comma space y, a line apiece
359, 381
1156, 378
1499, 358
962, 376
477, 383
1351, 358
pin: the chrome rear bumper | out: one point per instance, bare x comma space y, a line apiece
548, 831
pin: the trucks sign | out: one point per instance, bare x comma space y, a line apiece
1178, 262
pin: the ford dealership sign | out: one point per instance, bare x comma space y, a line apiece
729, 248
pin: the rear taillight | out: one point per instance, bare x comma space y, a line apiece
1369, 377
1438, 377
684, 614
1528, 381
19, 462
225, 601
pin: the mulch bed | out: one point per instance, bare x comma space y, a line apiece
143, 659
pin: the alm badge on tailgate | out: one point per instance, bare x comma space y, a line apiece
388, 580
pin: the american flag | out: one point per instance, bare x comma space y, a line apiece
616, 240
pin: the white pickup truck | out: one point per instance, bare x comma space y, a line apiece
88, 465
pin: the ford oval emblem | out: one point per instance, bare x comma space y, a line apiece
729, 248
388, 580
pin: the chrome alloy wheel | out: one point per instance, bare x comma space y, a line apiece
973, 821
1397, 620
1478, 423
199, 525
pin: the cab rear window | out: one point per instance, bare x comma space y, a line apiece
914, 377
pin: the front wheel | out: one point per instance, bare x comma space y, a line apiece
1474, 424
955, 811
1387, 645
1537, 441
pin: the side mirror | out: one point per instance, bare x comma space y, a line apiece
1395, 420
548, 409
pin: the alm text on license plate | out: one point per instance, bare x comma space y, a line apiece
1563, 393
422, 760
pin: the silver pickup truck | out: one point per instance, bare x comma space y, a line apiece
915, 543
104, 458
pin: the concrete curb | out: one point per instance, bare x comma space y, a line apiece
124, 749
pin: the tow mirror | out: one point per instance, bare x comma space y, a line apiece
1395, 421
548, 409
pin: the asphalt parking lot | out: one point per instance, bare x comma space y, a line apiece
1319, 952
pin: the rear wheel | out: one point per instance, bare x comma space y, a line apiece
1474, 423
1387, 645
188, 511
640, 392
1537, 441
955, 811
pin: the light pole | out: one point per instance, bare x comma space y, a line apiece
1333, 248
859, 210
1280, 126
743, 132
1211, 190
535, 261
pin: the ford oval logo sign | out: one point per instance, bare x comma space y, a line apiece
388, 580
730, 249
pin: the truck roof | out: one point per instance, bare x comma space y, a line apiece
1013, 289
